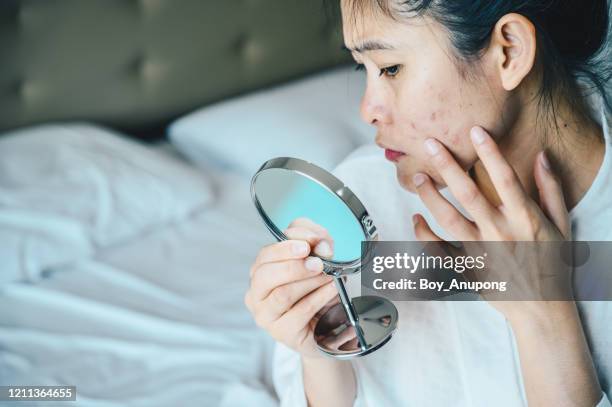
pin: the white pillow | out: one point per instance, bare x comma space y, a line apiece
66, 190
316, 119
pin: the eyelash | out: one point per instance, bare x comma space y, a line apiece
383, 71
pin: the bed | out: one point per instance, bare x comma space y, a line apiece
129, 131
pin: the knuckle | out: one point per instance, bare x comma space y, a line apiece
452, 221
321, 232
281, 296
294, 267
469, 194
534, 223
312, 306
507, 177
263, 252
257, 259
443, 160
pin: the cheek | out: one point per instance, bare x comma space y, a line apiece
444, 111
424, 112
446, 115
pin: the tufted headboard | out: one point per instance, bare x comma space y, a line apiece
136, 64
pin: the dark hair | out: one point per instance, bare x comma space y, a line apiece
571, 36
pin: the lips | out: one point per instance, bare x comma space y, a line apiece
393, 155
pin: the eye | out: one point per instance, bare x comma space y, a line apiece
390, 71
359, 67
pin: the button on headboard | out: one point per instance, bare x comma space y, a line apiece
136, 64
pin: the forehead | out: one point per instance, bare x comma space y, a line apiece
362, 21
367, 27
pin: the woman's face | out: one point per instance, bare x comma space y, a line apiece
415, 91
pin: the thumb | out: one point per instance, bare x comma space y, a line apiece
552, 200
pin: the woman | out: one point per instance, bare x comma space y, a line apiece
481, 97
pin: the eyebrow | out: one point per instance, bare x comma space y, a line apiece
369, 46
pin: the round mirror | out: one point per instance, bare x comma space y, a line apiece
285, 189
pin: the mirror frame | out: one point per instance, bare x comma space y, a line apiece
333, 185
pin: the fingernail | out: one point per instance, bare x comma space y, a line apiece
300, 248
323, 249
432, 146
544, 161
477, 134
313, 264
418, 179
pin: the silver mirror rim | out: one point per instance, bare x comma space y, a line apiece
333, 185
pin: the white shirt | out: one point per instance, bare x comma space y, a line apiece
452, 353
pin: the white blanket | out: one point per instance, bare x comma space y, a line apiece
156, 322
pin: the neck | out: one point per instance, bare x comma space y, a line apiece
575, 148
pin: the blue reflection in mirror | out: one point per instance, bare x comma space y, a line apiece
286, 195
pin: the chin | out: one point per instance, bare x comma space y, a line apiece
405, 181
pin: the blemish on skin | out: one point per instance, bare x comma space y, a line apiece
446, 132
454, 140
433, 117
412, 125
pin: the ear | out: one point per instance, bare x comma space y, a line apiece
513, 46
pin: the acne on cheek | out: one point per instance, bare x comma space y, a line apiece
436, 115
455, 139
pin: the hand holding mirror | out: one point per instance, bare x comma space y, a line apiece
287, 188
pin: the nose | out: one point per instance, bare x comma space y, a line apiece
372, 109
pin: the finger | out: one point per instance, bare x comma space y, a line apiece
271, 275
285, 250
305, 309
445, 213
321, 242
422, 230
302, 233
325, 248
424, 234
460, 184
308, 223
282, 298
503, 176
551, 195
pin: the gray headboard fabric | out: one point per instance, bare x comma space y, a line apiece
136, 64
